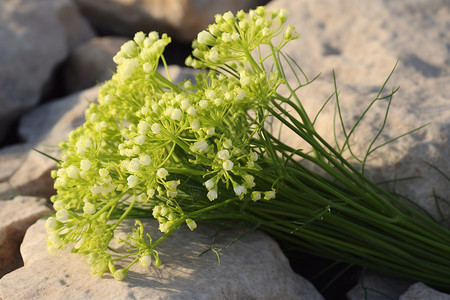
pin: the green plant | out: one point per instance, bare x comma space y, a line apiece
206, 152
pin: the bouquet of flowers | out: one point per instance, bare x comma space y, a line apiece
208, 152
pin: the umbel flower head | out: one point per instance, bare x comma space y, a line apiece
147, 140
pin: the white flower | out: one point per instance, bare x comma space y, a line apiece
242, 94
72, 171
239, 190
89, 208
62, 215
176, 114
191, 224
145, 159
228, 144
139, 139
134, 165
188, 85
58, 205
103, 172
55, 240
129, 67
211, 131
223, 154
195, 124
145, 261
151, 193
85, 164
162, 173
205, 37
210, 94
253, 156
228, 165
129, 48
212, 195
173, 184
143, 127
203, 103
52, 224
256, 196
184, 104
210, 183
218, 101
156, 128
269, 195
132, 181
201, 145
249, 180
192, 111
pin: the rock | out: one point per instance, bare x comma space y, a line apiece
377, 287
7, 191
419, 291
37, 41
15, 217
361, 42
180, 19
10, 160
91, 63
44, 129
183, 275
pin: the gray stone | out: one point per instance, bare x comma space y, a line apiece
252, 268
420, 291
36, 40
180, 19
10, 159
15, 217
377, 287
91, 63
361, 41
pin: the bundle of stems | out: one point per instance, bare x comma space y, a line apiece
207, 153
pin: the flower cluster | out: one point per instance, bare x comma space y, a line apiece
205, 151
146, 137
232, 39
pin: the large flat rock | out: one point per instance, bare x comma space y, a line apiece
252, 268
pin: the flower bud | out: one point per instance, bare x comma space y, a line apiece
132, 181
212, 195
145, 261
62, 215
120, 274
162, 173
223, 154
210, 183
89, 208
156, 128
191, 224
228, 165
206, 38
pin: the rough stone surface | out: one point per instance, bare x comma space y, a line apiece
10, 160
35, 42
377, 287
15, 217
419, 291
183, 275
362, 41
180, 19
91, 63
44, 129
